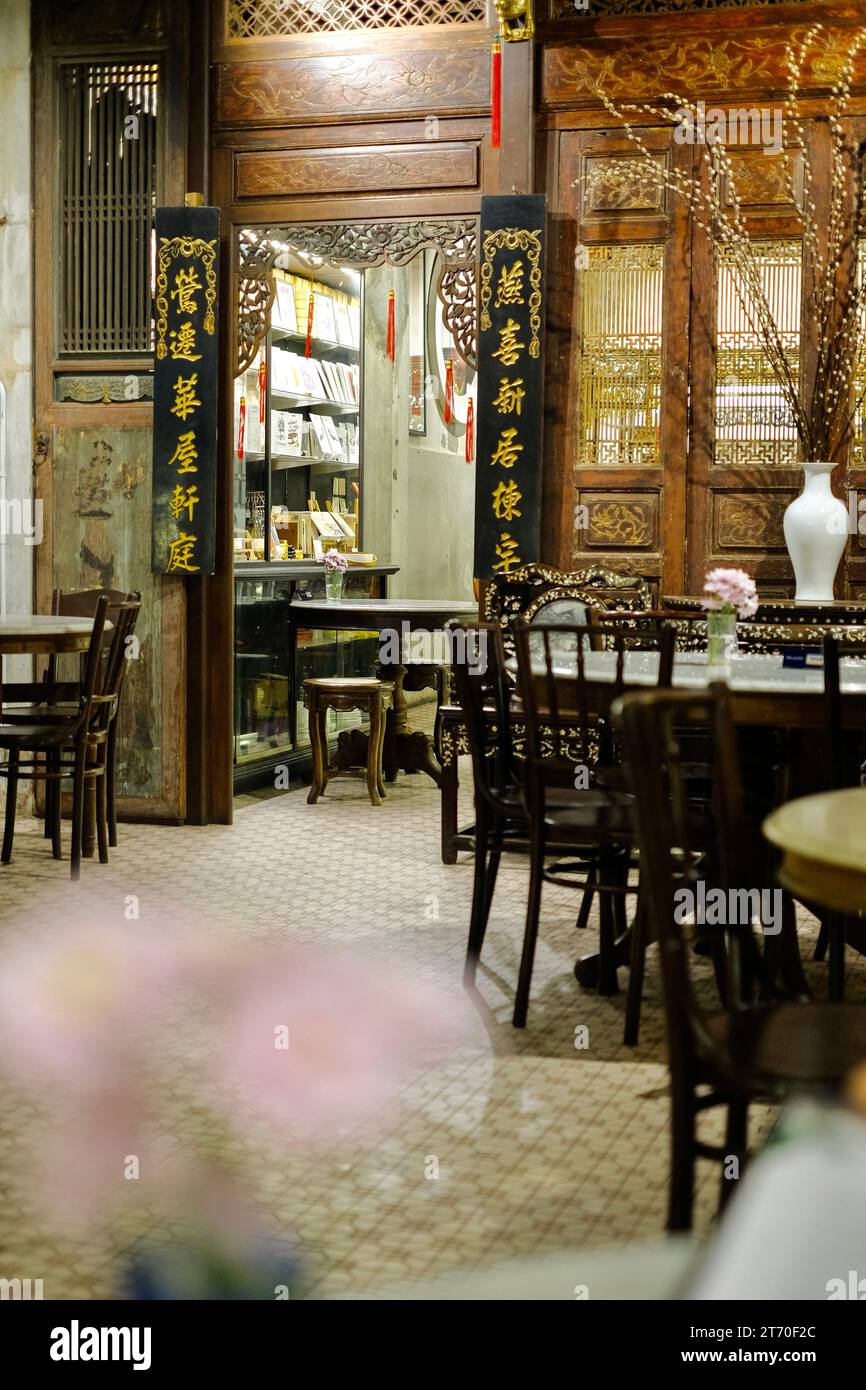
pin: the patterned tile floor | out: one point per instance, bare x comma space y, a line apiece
540, 1147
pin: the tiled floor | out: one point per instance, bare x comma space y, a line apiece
540, 1146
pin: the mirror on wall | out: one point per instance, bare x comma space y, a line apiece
350, 422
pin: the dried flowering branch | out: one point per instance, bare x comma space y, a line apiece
821, 410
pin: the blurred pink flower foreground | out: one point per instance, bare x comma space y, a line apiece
91, 1014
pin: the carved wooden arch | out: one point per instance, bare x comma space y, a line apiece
361, 245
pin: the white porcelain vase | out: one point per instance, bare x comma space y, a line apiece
816, 532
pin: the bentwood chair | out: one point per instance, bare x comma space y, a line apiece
52, 699
748, 1050
842, 762
567, 747
68, 744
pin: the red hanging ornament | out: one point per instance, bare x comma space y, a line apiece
470, 430
308, 348
242, 428
391, 347
449, 390
263, 376
496, 97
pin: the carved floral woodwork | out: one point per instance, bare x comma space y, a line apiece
618, 523
680, 58
614, 184
275, 19
291, 91
362, 245
291, 173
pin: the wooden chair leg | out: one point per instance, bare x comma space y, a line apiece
586, 899
636, 976
78, 788
111, 789
681, 1192
481, 899
102, 818
11, 802
373, 761
822, 942
736, 1146
530, 935
317, 786
49, 793
56, 809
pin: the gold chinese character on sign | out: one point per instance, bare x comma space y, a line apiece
184, 499
507, 451
186, 282
183, 343
505, 499
510, 398
506, 553
185, 399
180, 554
510, 287
510, 347
185, 454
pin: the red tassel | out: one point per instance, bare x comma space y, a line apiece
391, 348
263, 376
470, 430
449, 390
496, 97
242, 428
308, 348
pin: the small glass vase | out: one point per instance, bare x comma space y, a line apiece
333, 585
721, 637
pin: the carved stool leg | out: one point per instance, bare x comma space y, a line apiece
323, 743
374, 746
317, 786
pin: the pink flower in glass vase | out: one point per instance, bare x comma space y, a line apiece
334, 562
730, 591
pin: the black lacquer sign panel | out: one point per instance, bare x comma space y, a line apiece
185, 390
510, 365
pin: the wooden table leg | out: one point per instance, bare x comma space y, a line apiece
449, 786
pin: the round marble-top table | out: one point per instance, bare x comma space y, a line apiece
823, 842
763, 691
41, 632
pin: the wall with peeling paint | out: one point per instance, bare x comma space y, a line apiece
15, 291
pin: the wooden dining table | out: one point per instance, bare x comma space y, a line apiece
40, 633
44, 634
823, 843
764, 695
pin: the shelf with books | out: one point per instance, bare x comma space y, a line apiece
319, 404
318, 345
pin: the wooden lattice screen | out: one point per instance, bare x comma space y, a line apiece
258, 19
108, 178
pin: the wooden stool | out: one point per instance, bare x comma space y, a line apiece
364, 693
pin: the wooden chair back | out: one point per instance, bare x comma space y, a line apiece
484, 691
673, 856
564, 730
841, 768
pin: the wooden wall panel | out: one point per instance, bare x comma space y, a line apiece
101, 522
288, 173
358, 86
